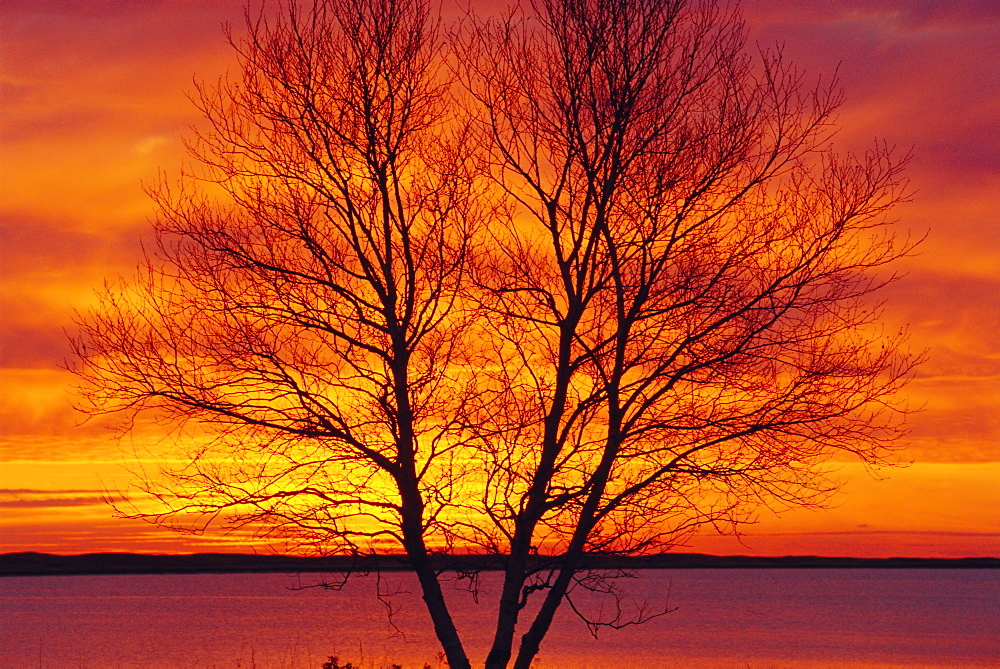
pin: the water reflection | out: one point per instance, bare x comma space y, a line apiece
724, 618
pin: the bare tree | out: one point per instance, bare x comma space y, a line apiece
656, 316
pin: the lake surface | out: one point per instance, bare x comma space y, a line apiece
723, 618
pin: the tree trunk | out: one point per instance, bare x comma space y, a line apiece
444, 625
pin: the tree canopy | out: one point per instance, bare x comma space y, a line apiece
576, 280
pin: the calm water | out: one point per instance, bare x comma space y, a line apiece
723, 618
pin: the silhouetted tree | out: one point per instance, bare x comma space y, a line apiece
614, 287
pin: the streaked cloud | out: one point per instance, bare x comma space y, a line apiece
50, 502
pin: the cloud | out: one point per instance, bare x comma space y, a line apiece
46, 503
38, 420
916, 72
51, 267
98, 101
37, 247
29, 498
38, 491
25, 345
119, 30
56, 125
899, 14
920, 74
955, 316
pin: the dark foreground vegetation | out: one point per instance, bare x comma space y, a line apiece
37, 564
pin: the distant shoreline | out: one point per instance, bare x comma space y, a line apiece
45, 564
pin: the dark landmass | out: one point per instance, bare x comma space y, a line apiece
38, 564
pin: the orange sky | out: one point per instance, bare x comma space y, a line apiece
92, 103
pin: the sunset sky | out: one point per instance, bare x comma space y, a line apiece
92, 104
